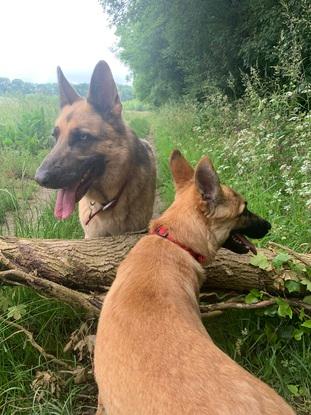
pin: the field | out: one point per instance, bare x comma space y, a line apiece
260, 147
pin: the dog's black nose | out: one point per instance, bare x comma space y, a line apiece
256, 227
261, 228
42, 177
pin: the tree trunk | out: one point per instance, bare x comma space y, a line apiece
81, 271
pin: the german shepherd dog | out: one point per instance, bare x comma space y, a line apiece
153, 355
98, 161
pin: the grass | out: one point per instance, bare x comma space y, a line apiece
139, 122
25, 125
135, 105
45, 225
249, 143
265, 348
51, 323
266, 160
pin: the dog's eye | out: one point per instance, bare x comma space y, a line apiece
81, 137
84, 137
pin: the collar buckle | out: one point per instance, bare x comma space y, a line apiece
161, 231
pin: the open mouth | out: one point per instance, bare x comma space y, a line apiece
239, 244
67, 198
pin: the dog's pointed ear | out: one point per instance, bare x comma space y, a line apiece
181, 170
67, 95
103, 94
207, 181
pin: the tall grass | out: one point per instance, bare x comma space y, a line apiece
51, 324
262, 151
25, 125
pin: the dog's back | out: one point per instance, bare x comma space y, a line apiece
153, 355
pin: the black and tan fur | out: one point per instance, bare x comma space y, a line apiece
95, 145
153, 355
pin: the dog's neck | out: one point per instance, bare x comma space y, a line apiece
160, 273
104, 192
188, 228
118, 173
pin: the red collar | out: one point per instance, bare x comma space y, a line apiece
164, 233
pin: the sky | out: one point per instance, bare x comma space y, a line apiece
38, 35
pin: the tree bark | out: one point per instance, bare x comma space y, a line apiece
81, 271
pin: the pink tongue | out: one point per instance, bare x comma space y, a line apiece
65, 203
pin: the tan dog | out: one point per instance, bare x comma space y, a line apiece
153, 354
98, 161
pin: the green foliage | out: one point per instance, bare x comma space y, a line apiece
264, 345
283, 262
260, 261
284, 308
179, 47
296, 391
292, 286
136, 105
280, 259
126, 92
253, 296
51, 324
17, 311
25, 126
307, 324
260, 146
138, 122
26, 123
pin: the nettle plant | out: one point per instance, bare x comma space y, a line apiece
294, 278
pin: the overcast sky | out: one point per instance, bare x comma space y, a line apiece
38, 35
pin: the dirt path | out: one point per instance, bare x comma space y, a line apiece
159, 205
30, 212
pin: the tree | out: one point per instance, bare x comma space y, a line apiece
177, 47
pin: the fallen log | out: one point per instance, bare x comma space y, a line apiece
81, 271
